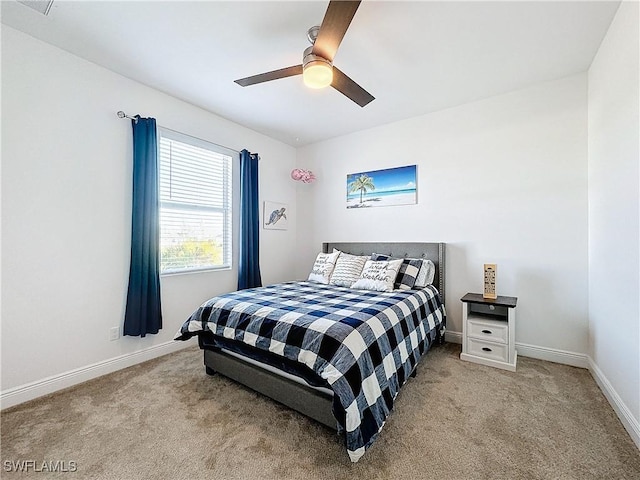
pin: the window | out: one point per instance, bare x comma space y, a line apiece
195, 204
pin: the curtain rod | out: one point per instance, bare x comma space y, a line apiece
121, 114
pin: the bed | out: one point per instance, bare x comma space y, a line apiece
335, 354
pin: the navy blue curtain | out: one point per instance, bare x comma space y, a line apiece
249, 262
143, 313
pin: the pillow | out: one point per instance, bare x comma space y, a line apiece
408, 273
347, 270
378, 275
323, 267
426, 274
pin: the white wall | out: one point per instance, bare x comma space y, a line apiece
66, 196
614, 243
502, 180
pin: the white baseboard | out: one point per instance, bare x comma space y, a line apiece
23, 393
533, 351
631, 424
453, 337
552, 355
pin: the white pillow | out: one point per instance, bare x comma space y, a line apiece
426, 274
378, 275
323, 267
347, 270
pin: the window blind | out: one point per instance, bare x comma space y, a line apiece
195, 204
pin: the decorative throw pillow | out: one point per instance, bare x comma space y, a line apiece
323, 267
408, 273
347, 270
378, 275
426, 274
379, 256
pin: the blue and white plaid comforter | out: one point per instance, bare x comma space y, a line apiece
364, 343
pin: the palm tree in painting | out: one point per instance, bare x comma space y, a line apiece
363, 183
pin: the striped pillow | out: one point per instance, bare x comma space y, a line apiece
426, 274
348, 269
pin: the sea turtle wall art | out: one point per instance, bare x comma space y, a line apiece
275, 216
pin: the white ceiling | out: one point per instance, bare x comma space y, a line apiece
414, 57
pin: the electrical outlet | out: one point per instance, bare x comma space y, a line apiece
114, 333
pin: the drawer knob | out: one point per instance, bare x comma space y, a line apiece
487, 332
486, 349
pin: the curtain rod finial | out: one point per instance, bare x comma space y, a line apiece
121, 114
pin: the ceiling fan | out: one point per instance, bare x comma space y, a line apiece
317, 61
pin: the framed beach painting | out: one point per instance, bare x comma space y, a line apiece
382, 188
275, 216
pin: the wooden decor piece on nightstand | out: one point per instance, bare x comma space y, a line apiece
490, 281
489, 331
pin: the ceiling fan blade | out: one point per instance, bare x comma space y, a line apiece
334, 25
268, 76
350, 89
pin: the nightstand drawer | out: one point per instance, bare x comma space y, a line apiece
488, 330
493, 351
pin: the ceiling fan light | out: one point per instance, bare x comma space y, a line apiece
317, 74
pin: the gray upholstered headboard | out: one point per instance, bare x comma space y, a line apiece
432, 251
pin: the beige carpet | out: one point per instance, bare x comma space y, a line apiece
166, 419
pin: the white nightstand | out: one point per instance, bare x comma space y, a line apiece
489, 331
